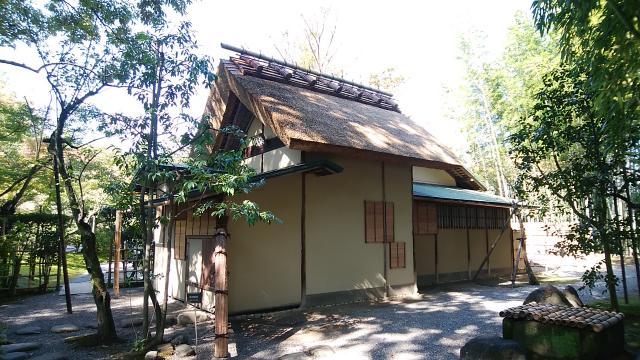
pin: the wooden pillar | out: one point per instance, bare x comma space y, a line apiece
118, 245
221, 341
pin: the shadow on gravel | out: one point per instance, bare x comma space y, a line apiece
433, 326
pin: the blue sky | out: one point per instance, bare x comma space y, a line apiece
418, 38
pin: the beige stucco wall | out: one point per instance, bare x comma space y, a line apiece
398, 190
425, 254
452, 250
432, 176
264, 260
338, 258
176, 280
501, 255
478, 247
274, 159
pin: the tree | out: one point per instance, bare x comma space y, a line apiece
496, 93
603, 36
562, 147
163, 82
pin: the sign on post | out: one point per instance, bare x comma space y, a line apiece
195, 298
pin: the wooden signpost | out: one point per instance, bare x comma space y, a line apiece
195, 298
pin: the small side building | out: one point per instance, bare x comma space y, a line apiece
371, 203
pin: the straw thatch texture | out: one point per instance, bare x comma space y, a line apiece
308, 120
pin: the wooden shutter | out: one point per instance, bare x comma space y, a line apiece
180, 242
425, 217
397, 255
432, 219
208, 264
378, 216
370, 221
388, 218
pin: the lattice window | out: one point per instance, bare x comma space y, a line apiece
425, 219
451, 216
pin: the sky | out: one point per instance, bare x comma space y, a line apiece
418, 38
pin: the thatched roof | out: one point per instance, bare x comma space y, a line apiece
311, 120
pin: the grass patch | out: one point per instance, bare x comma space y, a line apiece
631, 313
75, 268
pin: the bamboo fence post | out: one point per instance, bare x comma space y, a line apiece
118, 243
221, 342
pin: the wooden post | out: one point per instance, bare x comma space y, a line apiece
523, 238
221, 341
118, 244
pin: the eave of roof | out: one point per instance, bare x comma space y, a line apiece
452, 194
319, 168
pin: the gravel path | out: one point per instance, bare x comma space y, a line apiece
46, 311
433, 325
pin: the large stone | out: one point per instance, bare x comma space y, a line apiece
29, 330
170, 320
165, 350
180, 339
188, 317
52, 356
65, 328
15, 356
572, 296
131, 322
184, 351
547, 294
491, 348
19, 347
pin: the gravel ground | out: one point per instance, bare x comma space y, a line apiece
46, 311
433, 325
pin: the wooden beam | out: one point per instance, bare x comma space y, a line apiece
303, 239
221, 290
493, 245
118, 246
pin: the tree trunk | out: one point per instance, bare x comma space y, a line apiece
634, 240
621, 243
62, 251
106, 327
165, 296
602, 216
15, 275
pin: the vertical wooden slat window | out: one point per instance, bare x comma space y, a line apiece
180, 239
397, 255
378, 216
